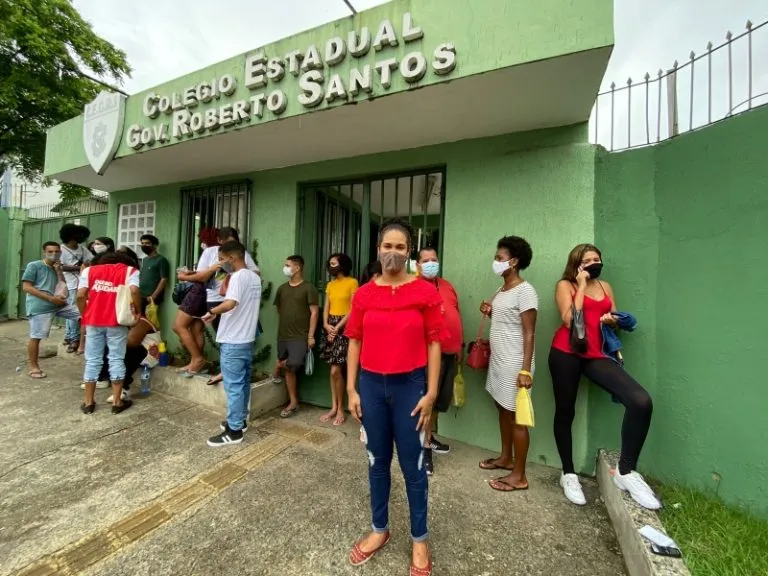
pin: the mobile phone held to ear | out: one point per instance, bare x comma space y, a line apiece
666, 551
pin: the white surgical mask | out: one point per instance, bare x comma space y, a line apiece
53, 256
500, 267
99, 248
287, 271
430, 269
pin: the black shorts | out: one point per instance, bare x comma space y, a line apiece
293, 352
194, 302
445, 382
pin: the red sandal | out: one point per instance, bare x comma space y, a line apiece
426, 571
357, 557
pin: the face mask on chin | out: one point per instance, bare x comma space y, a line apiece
430, 270
594, 270
392, 262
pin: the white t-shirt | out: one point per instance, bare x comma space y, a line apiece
208, 258
71, 257
238, 326
133, 279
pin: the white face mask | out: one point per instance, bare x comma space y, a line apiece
500, 267
287, 271
99, 248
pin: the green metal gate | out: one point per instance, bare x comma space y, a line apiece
37, 231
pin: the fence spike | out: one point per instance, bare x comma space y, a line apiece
675, 65
728, 35
661, 72
692, 55
613, 85
749, 24
709, 46
647, 76
629, 81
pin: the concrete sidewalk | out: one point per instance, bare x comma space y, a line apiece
140, 493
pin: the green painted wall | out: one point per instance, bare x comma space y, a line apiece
686, 242
503, 33
11, 221
539, 185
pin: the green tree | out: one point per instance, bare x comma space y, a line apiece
51, 62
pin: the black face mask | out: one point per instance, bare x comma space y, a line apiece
594, 270
333, 270
146, 249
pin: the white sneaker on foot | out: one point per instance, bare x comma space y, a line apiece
638, 488
101, 385
572, 489
124, 395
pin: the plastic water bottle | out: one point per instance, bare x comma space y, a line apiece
145, 380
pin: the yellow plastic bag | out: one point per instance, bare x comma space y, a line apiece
459, 392
151, 314
524, 410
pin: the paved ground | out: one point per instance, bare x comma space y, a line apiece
141, 494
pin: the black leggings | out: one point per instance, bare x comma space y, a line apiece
566, 370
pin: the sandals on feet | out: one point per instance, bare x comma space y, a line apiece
502, 485
87, 409
426, 571
489, 464
288, 412
357, 557
37, 374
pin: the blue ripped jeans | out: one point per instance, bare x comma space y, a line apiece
387, 402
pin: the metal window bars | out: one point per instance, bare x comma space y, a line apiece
208, 208
666, 96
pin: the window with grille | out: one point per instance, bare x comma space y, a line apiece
209, 208
136, 219
346, 216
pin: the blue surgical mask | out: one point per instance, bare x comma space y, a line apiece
430, 269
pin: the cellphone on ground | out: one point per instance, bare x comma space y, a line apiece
666, 551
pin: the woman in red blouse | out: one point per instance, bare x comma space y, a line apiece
394, 331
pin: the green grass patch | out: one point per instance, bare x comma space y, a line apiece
716, 540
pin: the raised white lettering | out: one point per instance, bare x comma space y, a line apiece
384, 68
133, 136
255, 71
411, 32
225, 115
445, 59
413, 67
335, 89
240, 111
227, 85
335, 51
360, 81
180, 123
312, 60
196, 123
211, 121
294, 62
359, 45
277, 102
310, 83
385, 36
190, 98
257, 104
275, 69
150, 106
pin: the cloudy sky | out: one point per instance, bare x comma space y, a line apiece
168, 38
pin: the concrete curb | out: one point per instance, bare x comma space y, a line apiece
627, 518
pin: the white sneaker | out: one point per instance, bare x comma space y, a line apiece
124, 395
638, 489
101, 385
572, 489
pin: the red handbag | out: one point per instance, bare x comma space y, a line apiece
479, 351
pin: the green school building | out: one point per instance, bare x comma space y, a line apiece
470, 120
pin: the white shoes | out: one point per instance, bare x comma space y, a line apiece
572, 489
638, 489
124, 396
101, 385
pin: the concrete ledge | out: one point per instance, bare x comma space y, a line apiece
265, 395
627, 518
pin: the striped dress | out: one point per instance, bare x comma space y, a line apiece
507, 343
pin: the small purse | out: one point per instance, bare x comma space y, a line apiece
578, 335
479, 351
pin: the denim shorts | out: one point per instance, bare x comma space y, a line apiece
40, 324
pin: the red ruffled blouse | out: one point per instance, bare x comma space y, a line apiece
395, 325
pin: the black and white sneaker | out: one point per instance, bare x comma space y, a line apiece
428, 465
439, 447
223, 426
226, 438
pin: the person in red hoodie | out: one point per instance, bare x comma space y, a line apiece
96, 299
452, 346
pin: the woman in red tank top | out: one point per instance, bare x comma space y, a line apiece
580, 289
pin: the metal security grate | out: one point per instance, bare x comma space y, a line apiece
209, 208
346, 216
